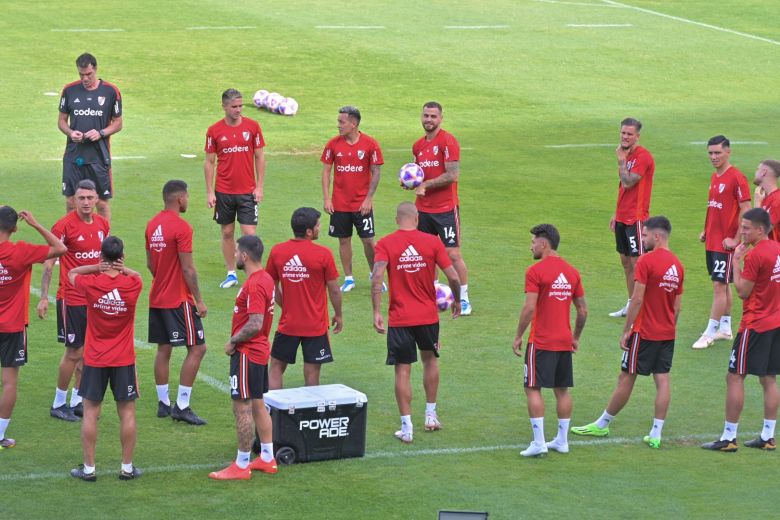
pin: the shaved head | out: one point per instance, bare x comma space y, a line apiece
406, 215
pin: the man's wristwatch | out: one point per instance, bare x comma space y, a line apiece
102, 133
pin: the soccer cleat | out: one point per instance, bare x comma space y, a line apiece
558, 446
727, 446
348, 285
432, 423
260, 465
64, 413
619, 314
130, 475
384, 287
78, 472
186, 415
10, 443
163, 410
761, 444
534, 450
703, 342
405, 437
78, 410
721, 335
653, 442
230, 281
232, 472
465, 308
591, 430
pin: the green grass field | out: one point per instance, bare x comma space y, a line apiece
538, 74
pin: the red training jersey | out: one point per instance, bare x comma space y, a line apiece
557, 283
255, 297
302, 268
16, 260
83, 241
167, 235
431, 156
110, 339
661, 272
235, 148
761, 310
633, 203
412, 257
722, 221
771, 204
352, 169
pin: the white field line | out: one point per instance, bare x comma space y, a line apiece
116, 158
222, 28
409, 149
50, 94
583, 145
475, 27
693, 22
733, 142
349, 27
64, 474
88, 30
599, 25
583, 4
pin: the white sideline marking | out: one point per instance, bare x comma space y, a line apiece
599, 25
188, 155
222, 28
87, 30
117, 158
50, 94
15, 477
733, 142
349, 27
477, 27
295, 152
694, 22
583, 145
584, 4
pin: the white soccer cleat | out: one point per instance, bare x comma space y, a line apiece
619, 314
405, 437
703, 342
722, 335
558, 446
465, 308
534, 450
432, 423
347, 286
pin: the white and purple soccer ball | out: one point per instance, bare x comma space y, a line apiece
444, 297
288, 107
410, 176
260, 98
273, 101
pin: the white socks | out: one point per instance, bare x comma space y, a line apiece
767, 432
127, 468
267, 451
729, 431
712, 327
725, 324
162, 394
537, 427
604, 420
658, 427
242, 459
464, 292
4, 427
60, 397
75, 398
183, 400
563, 431
430, 408
406, 423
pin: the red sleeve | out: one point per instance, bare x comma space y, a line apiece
376, 155
451, 149
331, 273
259, 141
58, 230
270, 267
33, 254
640, 272
642, 165
83, 282
148, 236
774, 211
742, 190
184, 239
682, 276
442, 258
531, 281
258, 300
380, 252
579, 290
750, 271
211, 142
327, 153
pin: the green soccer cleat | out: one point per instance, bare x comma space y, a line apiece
590, 429
652, 442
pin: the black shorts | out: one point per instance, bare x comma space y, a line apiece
403, 342
71, 324
547, 368
756, 353
176, 327
316, 349
229, 205
342, 222
645, 357
247, 380
124, 383
13, 349
719, 267
628, 238
446, 225
98, 173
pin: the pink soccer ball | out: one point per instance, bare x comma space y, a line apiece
410, 176
288, 107
273, 101
260, 98
444, 297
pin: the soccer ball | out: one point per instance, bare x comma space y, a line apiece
444, 297
410, 176
273, 101
260, 98
288, 107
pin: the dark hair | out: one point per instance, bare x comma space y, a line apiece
251, 245
759, 217
719, 139
352, 112
229, 95
548, 232
112, 249
433, 104
772, 165
86, 184
85, 60
659, 222
8, 218
630, 121
173, 187
303, 219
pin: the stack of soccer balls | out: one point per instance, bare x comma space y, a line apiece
276, 103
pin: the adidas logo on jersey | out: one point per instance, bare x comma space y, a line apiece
111, 303
776, 271
410, 260
157, 240
4, 276
560, 288
80, 238
671, 279
294, 270
561, 283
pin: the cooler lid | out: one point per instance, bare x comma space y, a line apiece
313, 396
